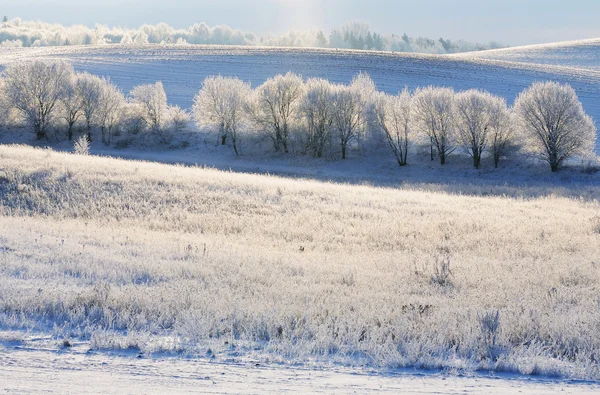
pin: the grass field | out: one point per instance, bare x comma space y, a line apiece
161, 258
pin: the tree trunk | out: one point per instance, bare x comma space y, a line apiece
477, 161
431, 147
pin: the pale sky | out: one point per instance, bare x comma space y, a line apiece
511, 22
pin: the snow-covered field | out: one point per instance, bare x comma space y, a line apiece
183, 68
120, 255
32, 365
582, 54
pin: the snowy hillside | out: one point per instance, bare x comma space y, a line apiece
584, 54
183, 68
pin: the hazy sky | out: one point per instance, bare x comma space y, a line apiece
511, 22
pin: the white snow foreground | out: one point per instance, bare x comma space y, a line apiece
36, 366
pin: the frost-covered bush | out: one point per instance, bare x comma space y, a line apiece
274, 106
178, 119
554, 124
82, 146
220, 105
152, 100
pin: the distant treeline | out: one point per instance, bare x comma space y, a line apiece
18, 33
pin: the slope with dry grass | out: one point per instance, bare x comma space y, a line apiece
169, 258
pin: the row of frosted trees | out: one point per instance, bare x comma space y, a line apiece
52, 97
312, 117
547, 119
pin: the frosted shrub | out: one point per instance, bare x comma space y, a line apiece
81, 146
441, 271
178, 119
553, 123
152, 101
489, 326
273, 107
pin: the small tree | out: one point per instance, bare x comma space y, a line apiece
393, 116
434, 117
220, 103
348, 115
274, 105
89, 88
110, 105
502, 133
34, 89
153, 100
474, 122
71, 105
553, 123
178, 118
316, 109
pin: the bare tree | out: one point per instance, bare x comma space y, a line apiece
34, 89
273, 106
153, 100
348, 115
316, 109
433, 116
502, 135
89, 88
220, 103
553, 123
393, 116
110, 105
474, 122
71, 105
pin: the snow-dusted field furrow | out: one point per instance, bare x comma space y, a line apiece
182, 69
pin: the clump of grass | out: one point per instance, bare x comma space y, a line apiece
82, 146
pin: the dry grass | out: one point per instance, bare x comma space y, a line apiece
299, 269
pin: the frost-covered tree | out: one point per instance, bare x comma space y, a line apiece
317, 111
348, 115
364, 86
274, 105
110, 105
5, 107
220, 104
434, 118
502, 131
71, 105
393, 116
89, 88
178, 118
152, 99
553, 123
473, 113
34, 89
